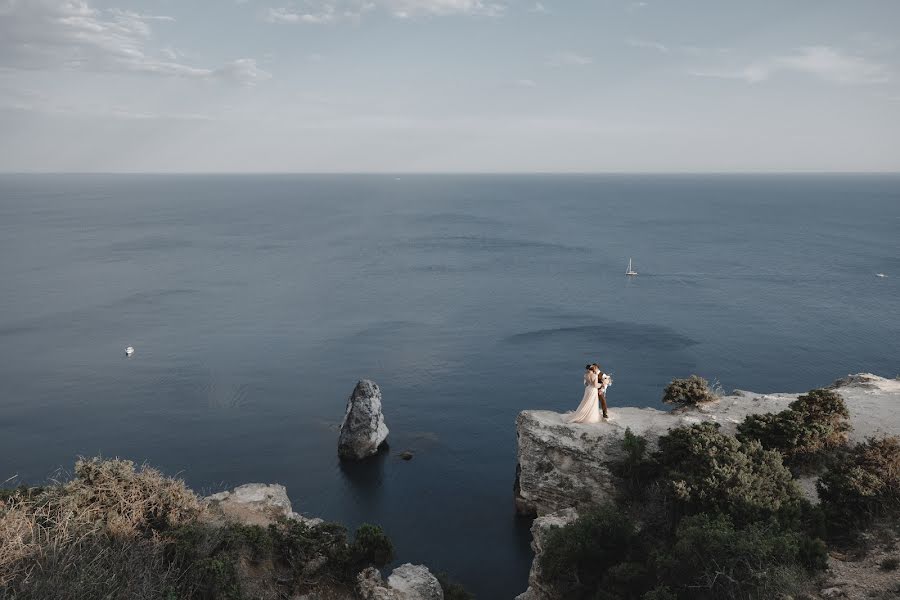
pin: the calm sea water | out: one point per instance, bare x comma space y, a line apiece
255, 303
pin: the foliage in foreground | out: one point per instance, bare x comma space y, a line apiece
708, 517
604, 554
705, 470
453, 590
813, 424
116, 532
688, 392
862, 485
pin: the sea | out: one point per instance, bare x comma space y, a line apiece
256, 302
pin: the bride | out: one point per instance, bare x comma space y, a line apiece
594, 385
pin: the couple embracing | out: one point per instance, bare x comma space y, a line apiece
595, 384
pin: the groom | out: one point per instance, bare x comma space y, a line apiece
605, 381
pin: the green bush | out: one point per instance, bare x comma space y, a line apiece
635, 468
704, 470
372, 546
814, 423
601, 550
862, 485
298, 545
688, 392
453, 590
662, 592
711, 559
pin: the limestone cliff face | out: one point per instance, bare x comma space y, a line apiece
539, 530
566, 466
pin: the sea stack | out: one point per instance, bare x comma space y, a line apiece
363, 430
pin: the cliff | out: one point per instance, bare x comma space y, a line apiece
567, 465
563, 466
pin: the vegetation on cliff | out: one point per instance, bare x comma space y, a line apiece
116, 531
813, 424
710, 516
707, 516
862, 485
689, 392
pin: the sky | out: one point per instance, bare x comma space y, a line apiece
449, 86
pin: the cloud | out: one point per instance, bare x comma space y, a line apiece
648, 45
324, 12
71, 34
823, 62
525, 83
32, 101
568, 59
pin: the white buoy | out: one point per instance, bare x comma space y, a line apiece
882, 275
129, 351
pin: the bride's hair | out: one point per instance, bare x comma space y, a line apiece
591, 367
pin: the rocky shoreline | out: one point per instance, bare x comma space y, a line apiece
563, 466
258, 504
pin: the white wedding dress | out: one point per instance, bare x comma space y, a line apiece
589, 410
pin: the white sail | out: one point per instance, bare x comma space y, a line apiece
630, 270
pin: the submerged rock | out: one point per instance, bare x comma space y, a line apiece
363, 430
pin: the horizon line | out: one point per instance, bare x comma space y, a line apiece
486, 173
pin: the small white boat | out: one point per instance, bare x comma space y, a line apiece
630, 272
129, 351
880, 275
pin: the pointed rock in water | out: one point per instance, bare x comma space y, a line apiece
363, 430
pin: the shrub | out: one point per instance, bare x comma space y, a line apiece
299, 545
705, 470
662, 592
114, 531
94, 536
372, 546
712, 559
601, 550
635, 467
814, 423
453, 590
688, 392
863, 485
890, 564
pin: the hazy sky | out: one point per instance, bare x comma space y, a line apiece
449, 85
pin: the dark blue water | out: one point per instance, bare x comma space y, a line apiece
256, 302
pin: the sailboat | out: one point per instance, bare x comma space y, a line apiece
630, 272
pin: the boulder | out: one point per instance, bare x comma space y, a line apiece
406, 582
363, 431
415, 582
255, 504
